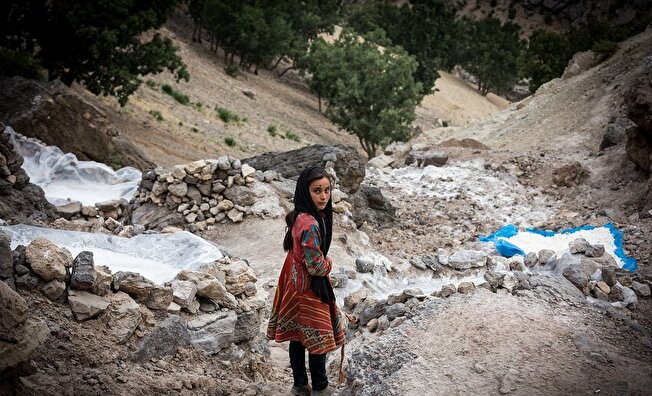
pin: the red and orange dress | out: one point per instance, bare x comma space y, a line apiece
297, 313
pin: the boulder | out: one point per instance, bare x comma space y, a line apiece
238, 273
47, 260
29, 335
85, 305
122, 317
349, 164
6, 257
58, 116
427, 156
380, 161
466, 288
13, 311
210, 287
103, 281
578, 278
69, 210
247, 326
83, 271
447, 290
353, 299
395, 310
159, 297
164, 340
183, 292
641, 289
213, 332
240, 195
54, 289
135, 285
154, 217
465, 259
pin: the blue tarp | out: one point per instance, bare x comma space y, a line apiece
508, 249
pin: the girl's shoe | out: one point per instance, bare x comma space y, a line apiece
301, 390
329, 390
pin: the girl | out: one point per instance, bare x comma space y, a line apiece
304, 310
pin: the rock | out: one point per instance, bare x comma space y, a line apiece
47, 260
27, 281
579, 245
135, 285
159, 297
466, 288
339, 280
595, 251
194, 194
13, 311
353, 299
122, 317
372, 325
577, 278
615, 132
447, 290
164, 340
103, 281
381, 161
545, 255
247, 326
629, 298
240, 195
364, 265
603, 287
395, 310
54, 289
494, 279
210, 287
383, 323
235, 215
237, 274
247, 170
174, 308
183, 292
641, 289
369, 309
570, 175
427, 156
249, 93
349, 164
531, 259
609, 276
508, 382
154, 217
180, 189
85, 305
69, 210
213, 332
509, 281
83, 271
30, 334
54, 114
465, 259
6, 257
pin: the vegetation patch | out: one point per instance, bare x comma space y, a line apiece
271, 129
228, 116
177, 95
229, 141
292, 136
157, 115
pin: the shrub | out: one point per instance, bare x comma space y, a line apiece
178, 96
232, 70
194, 129
512, 13
157, 115
229, 141
227, 116
292, 136
271, 129
14, 63
151, 83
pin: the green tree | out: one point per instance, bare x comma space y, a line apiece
96, 43
371, 92
545, 58
493, 51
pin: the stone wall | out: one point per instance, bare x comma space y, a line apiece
19, 199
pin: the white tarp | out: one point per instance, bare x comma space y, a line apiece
158, 257
64, 178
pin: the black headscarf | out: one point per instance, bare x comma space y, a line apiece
320, 285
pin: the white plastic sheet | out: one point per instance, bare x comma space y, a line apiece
64, 178
158, 257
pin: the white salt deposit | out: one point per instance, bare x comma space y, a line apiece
64, 178
496, 195
158, 257
531, 242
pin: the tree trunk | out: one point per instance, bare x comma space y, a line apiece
286, 70
319, 100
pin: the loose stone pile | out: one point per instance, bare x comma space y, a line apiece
215, 309
585, 267
205, 192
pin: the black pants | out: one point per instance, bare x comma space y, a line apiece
317, 364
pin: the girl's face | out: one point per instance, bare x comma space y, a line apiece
320, 192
